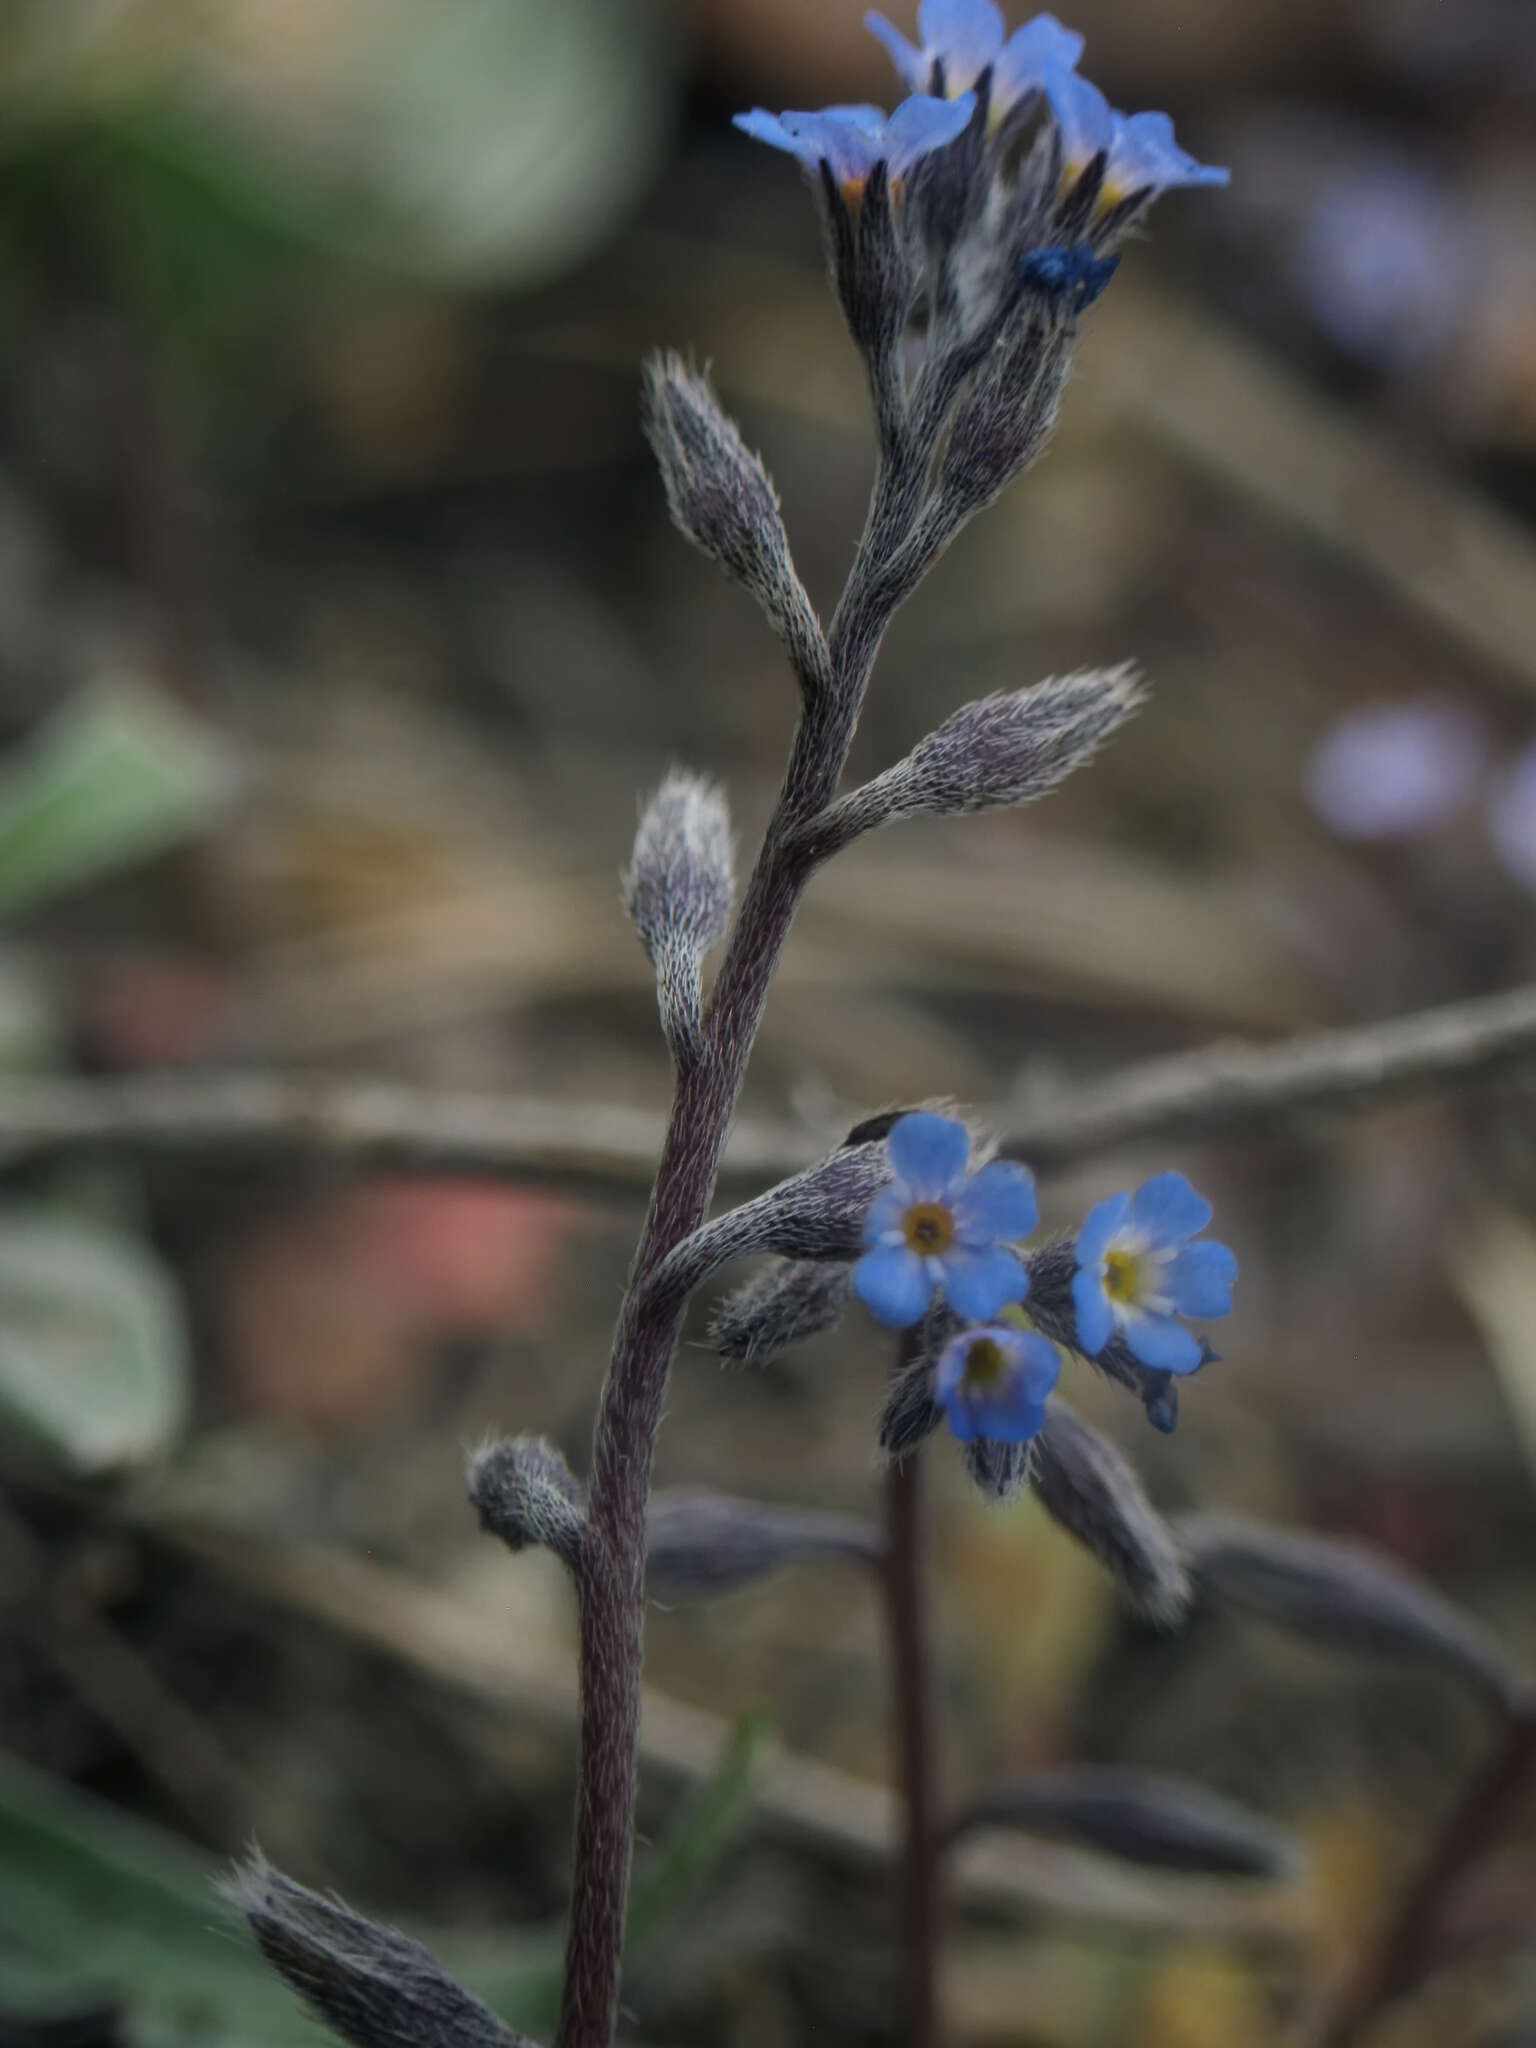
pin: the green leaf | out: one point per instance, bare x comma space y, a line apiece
118, 774
93, 1351
98, 1906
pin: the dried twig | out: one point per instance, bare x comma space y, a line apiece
1229, 1088
1221, 1089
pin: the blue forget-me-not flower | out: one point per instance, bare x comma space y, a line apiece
1141, 158
941, 1226
1138, 1272
851, 140
992, 1382
964, 38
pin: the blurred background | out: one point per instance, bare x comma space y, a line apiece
340, 624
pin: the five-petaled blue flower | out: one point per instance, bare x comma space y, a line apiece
940, 1226
964, 38
1139, 150
1138, 1272
992, 1381
851, 140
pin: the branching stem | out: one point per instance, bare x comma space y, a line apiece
611, 1577
909, 1627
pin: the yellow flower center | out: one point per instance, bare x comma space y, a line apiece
929, 1228
985, 1364
1123, 1279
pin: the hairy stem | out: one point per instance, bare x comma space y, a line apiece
1399, 1960
909, 1624
611, 1577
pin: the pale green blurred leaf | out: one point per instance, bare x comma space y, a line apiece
468, 140
93, 1351
118, 774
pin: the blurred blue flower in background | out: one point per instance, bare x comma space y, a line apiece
1386, 263
1512, 819
1138, 1273
993, 1382
1392, 771
940, 1226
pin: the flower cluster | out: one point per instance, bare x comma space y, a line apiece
945, 1245
983, 212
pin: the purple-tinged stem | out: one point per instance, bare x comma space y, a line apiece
1399, 1961
908, 1619
610, 1580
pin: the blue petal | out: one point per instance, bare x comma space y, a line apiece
1011, 1411
1145, 153
911, 62
893, 1285
967, 34
862, 115
1200, 1279
1168, 1209
1082, 114
1103, 1220
921, 124
847, 139
929, 1153
978, 1283
1029, 55
765, 127
1162, 1343
1095, 1317
885, 1213
997, 1206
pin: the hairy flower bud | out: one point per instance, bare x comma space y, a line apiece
677, 890
781, 1306
1160, 1822
1001, 750
525, 1494
720, 496
911, 1412
372, 1986
818, 1214
1004, 420
1342, 1592
699, 1545
1084, 1484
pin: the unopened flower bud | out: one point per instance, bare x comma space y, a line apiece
1000, 751
721, 497
677, 890
781, 1306
370, 1985
1086, 1485
525, 1494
